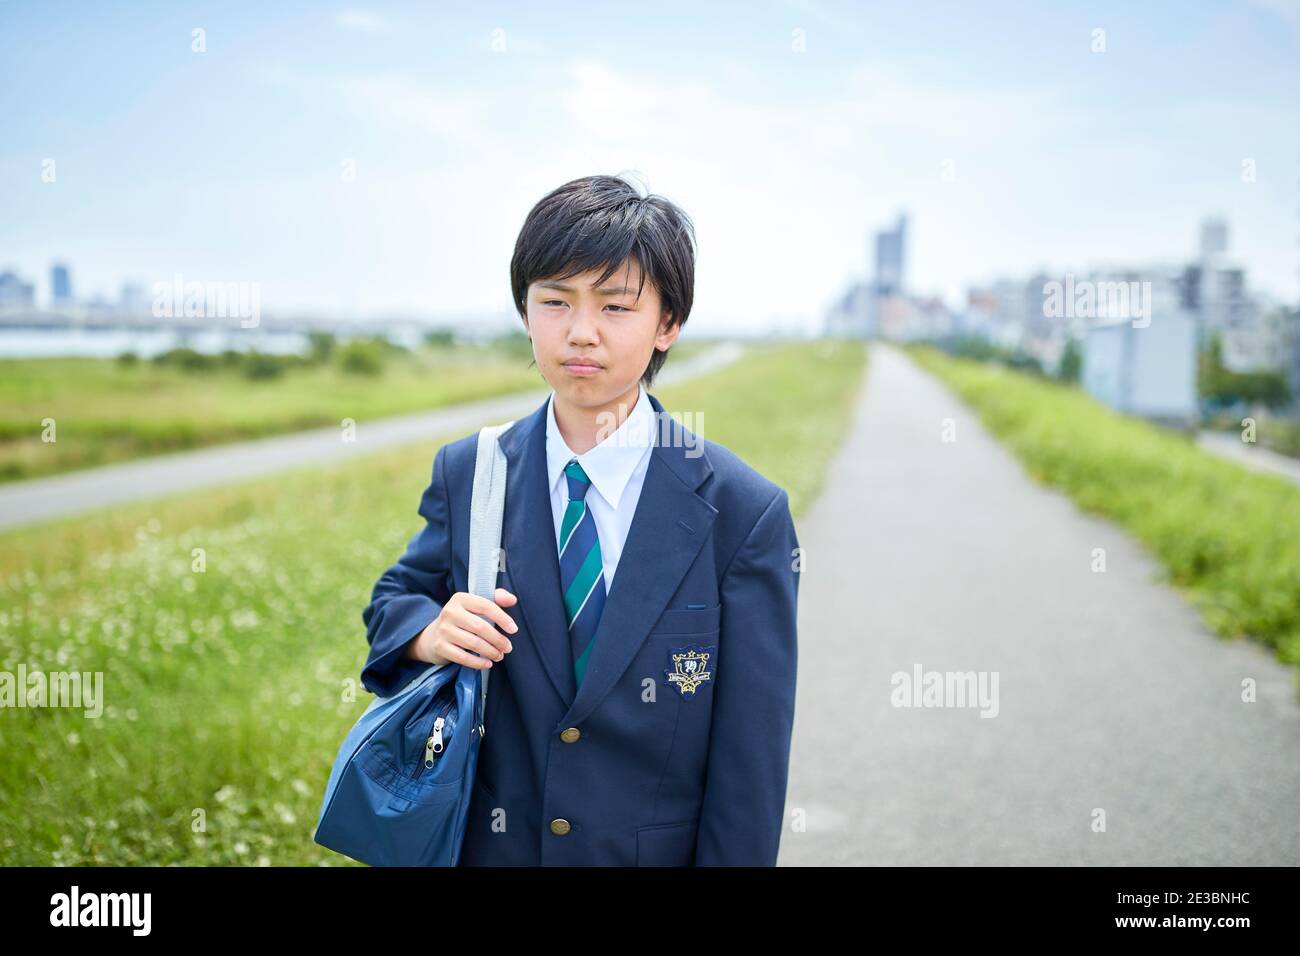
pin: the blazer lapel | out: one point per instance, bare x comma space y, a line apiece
532, 561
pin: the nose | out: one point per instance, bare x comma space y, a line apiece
584, 330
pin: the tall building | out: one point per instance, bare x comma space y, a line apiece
1214, 237
134, 300
60, 285
15, 293
1293, 364
864, 310
890, 258
881, 306
1214, 289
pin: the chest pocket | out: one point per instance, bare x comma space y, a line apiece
707, 620
683, 651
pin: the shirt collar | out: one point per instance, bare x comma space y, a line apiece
610, 463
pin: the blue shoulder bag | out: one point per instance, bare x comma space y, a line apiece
399, 791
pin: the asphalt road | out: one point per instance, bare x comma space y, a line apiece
1115, 705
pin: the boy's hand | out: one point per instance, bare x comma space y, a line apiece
460, 635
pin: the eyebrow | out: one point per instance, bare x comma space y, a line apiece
603, 290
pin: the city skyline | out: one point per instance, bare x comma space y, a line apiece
886, 274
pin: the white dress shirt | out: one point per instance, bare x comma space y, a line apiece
616, 467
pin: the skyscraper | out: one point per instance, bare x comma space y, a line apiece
890, 258
15, 293
60, 284
1214, 237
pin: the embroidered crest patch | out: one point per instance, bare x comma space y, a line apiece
690, 666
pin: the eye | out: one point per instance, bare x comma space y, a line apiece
620, 308
552, 302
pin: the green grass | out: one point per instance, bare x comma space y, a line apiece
105, 411
1227, 537
228, 692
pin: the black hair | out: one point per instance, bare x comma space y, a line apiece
600, 222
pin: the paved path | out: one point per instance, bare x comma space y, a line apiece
40, 499
1230, 445
1111, 693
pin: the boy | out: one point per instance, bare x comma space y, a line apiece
643, 638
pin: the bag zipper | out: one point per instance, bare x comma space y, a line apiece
433, 746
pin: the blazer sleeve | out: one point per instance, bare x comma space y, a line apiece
410, 594
742, 815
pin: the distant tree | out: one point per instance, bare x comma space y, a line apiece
1023, 362
261, 365
1220, 387
440, 338
1071, 367
321, 346
362, 357
186, 358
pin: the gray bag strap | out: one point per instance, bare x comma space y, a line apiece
487, 506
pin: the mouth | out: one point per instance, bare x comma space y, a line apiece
582, 367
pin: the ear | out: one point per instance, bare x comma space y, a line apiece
667, 334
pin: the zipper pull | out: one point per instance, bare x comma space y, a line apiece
428, 754
435, 742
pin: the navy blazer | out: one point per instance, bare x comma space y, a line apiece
676, 749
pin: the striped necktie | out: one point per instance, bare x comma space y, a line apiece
582, 576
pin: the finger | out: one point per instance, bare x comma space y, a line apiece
505, 598
457, 655
494, 644
471, 643
469, 621
485, 608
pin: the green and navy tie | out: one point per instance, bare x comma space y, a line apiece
582, 576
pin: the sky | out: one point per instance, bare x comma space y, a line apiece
379, 159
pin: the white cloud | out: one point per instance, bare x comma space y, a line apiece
363, 21
785, 189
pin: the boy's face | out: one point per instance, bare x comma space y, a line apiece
593, 344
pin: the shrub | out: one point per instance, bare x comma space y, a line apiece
261, 365
362, 357
321, 347
187, 358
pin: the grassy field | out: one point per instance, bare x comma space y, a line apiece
229, 691
1228, 537
106, 411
